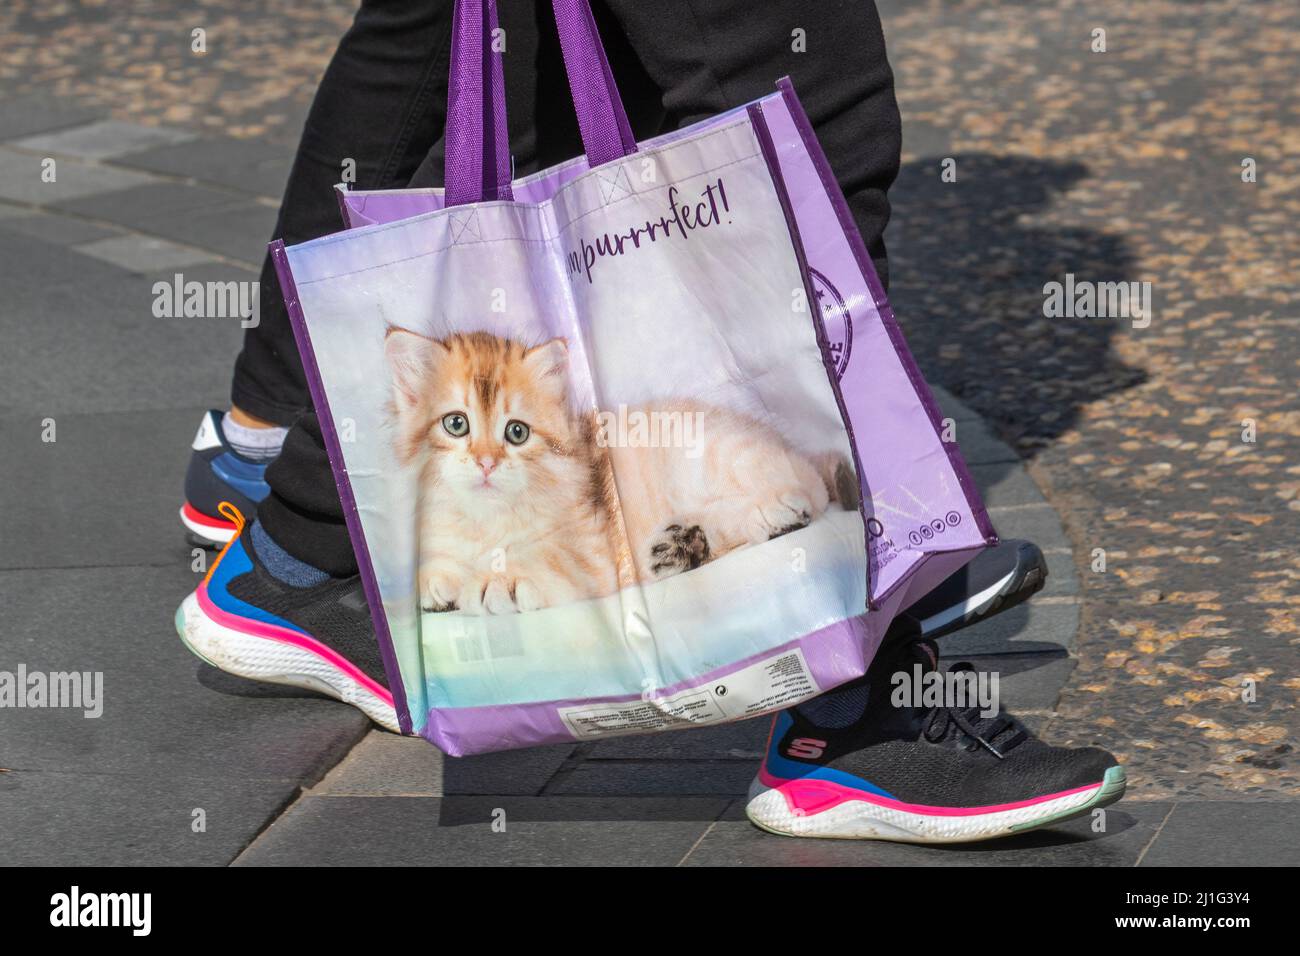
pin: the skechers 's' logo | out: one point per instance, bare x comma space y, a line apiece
806, 748
75, 908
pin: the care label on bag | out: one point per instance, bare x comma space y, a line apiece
767, 685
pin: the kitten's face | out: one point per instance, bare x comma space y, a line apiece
491, 414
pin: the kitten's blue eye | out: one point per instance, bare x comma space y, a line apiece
517, 432
456, 424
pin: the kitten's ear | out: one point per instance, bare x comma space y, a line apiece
549, 358
410, 358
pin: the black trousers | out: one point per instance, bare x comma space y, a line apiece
382, 105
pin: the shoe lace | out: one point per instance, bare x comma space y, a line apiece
233, 515
980, 731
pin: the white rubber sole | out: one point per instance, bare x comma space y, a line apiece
217, 536
862, 820
276, 662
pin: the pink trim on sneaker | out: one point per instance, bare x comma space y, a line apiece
809, 795
284, 635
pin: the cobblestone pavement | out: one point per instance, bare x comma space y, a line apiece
1123, 165
136, 59
1127, 165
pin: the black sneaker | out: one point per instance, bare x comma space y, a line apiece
921, 774
999, 578
244, 621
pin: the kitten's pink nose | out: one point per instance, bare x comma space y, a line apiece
488, 464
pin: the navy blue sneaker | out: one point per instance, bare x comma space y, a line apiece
997, 579
218, 473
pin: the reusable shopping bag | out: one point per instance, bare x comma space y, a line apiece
629, 445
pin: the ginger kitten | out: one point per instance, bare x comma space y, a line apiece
522, 508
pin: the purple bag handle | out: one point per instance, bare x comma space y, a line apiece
606, 134
478, 145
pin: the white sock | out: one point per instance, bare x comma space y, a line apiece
256, 444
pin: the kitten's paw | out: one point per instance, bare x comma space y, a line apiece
678, 548
497, 598
528, 596
438, 592
789, 512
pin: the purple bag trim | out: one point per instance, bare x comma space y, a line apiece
764, 135
341, 195
334, 452
478, 143
868, 269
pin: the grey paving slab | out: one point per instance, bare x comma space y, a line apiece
143, 254
951, 406
96, 819
385, 764
102, 139
1035, 522
39, 113
98, 504
165, 713
1021, 629
237, 232
1130, 825
193, 215
978, 444
1006, 484
1229, 833
1062, 578
21, 182
152, 202
1041, 525
744, 740
248, 165
655, 778
60, 230
458, 831
83, 337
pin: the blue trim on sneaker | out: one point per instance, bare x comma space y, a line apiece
217, 473
778, 766
246, 477
236, 561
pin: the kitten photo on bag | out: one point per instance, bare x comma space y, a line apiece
526, 503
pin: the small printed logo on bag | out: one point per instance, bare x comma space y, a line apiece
806, 748
932, 528
836, 319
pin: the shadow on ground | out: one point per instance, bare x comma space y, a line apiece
969, 261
